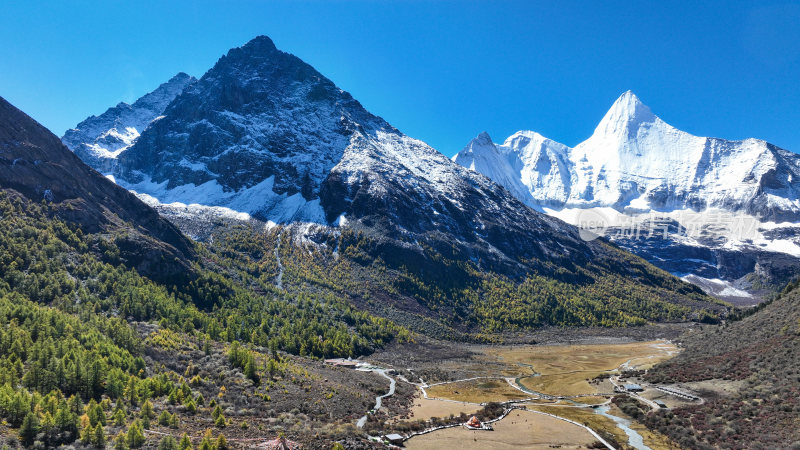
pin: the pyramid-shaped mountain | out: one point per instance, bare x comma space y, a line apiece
264, 133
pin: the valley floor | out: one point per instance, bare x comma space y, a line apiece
563, 393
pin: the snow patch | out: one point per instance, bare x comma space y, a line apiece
717, 287
258, 200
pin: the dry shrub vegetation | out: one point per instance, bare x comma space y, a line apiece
762, 349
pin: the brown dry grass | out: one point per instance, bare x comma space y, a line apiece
425, 408
477, 391
520, 429
588, 418
564, 369
654, 440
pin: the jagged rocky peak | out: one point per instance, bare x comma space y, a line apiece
260, 120
479, 145
99, 140
264, 133
258, 76
164, 93
258, 47
483, 139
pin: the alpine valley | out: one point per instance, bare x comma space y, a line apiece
251, 259
724, 215
265, 140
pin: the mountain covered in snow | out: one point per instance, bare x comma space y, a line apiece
636, 169
265, 137
264, 134
99, 140
636, 161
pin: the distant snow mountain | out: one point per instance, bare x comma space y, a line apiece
635, 161
636, 169
99, 140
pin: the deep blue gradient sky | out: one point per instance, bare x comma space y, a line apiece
440, 71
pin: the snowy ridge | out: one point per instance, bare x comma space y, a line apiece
241, 204
635, 166
636, 161
263, 133
99, 140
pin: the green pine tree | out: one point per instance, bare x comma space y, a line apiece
168, 443
119, 416
250, 368
29, 429
119, 442
220, 421
135, 436
191, 407
164, 418
186, 443
222, 443
216, 412
99, 437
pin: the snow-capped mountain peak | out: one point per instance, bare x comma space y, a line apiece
481, 146
635, 160
635, 163
99, 140
627, 113
263, 134
483, 138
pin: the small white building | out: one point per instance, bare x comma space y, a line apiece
632, 387
394, 438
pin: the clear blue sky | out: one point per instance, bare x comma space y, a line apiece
440, 71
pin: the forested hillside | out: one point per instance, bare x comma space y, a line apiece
762, 350
112, 323
116, 327
439, 295
74, 336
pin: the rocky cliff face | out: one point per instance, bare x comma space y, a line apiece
35, 164
263, 133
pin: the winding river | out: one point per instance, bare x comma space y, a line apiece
378, 399
635, 439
